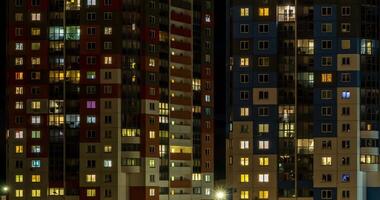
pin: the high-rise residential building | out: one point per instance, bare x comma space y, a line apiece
305, 83
110, 99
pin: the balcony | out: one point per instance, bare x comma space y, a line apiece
181, 100
181, 114
186, 60
181, 4
184, 183
180, 31
183, 73
184, 87
181, 17
180, 156
181, 45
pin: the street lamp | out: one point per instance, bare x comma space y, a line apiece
5, 189
220, 194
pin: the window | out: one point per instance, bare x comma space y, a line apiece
263, 45
244, 112
19, 105
107, 163
244, 45
263, 78
263, 194
244, 95
244, 161
152, 192
326, 11
36, 149
326, 128
36, 163
19, 134
263, 178
326, 161
345, 27
263, 95
91, 2
263, 28
107, 15
263, 144
326, 111
107, 148
326, 27
107, 60
19, 46
91, 104
244, 62
346, 11
152, 163
244, 12
326, 177
263, 128
19, 178
263, 161
36, 46
36, 178
345, 110
263, 111
244, 178
36, 193
107, 30
35, 105
91, 178
244, 194
36, 134
36, 16
263, 12
36, 120
346, 194
263, 61
326, 78
244, 144
326, 94
19, 193
326, 44
19, 75
19, 90
91, 192
326, 194
346, 95
346, 44
244, 28
19, 149
91, 119
326, 61
243, 78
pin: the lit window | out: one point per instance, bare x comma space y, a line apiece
35, 105
244, 194
244, 144
91, 2
107, 148
19, 61
35, 60
107, 30
207, 18
19, 46
244, 112
207, 191
263, 178
244, 178
91, 104
36, 16
19, 134
91, 178
196, 177
346, 44
108, 60
244, 62
36, 178
244, 161
207, 178
91, 75
19, 90
91, 119
19, 149
90, 192
107, 163
263, 12
263, 144
152, 192
326, 78
19, 193
35, 46
346, 95
36, 149
152, 134
35, 31
263, 194
36, 134
36, 163
36, 119
264, 161
152, 62
19, 75
152, 164
19, 178
55, 192
244, 12
326, 161
263, 128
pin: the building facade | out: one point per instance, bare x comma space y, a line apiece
305, 96
110, 99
